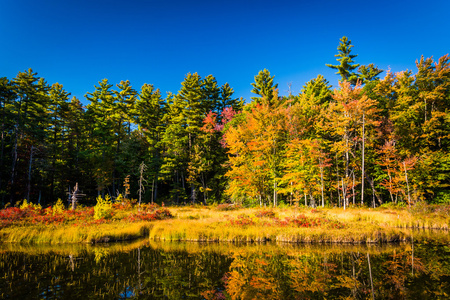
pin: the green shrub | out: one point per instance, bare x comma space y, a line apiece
442, 198
393, 205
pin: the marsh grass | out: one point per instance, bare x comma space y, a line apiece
74, 249
209, 224
359, 225
108, 232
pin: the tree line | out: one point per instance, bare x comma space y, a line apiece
368, 141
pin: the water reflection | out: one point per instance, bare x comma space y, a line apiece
158, 270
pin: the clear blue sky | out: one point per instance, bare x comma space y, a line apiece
79, 42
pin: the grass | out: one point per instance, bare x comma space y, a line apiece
76, 250
231, 224
108, 232
358, 226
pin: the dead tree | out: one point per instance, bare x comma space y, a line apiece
75, 196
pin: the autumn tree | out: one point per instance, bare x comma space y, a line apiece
350, 113
256, 148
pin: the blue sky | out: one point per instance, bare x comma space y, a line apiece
78, 43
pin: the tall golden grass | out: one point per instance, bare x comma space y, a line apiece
360, 226
208, 224
109, 232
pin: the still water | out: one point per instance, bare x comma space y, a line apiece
158, 270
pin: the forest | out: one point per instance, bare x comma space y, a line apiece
367, 142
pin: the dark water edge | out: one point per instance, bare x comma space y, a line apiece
176, 270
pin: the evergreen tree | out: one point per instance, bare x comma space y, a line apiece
150, 110
368, 73
345, 59
31, 123
317, 90
7, 98
101, 137
57, 138
226, 100
264, 87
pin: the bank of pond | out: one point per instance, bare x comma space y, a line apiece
224, 223
224, 252
148, 269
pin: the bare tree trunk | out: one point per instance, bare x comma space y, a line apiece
14, 160
275, 194
74, 196
312, 201
205, 191
337, 179
142, 168
353, 187
363, 161
193, 194
425, 109
29, 174
390, 185
182, 181
344, 192
321, 185
347, 162
372, 184
290, 199
407, 184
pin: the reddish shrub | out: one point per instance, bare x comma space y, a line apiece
265, 214
226, 207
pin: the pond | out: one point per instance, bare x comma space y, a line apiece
162, 270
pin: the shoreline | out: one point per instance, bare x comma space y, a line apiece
252, 225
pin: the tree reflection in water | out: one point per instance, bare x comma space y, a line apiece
225, 271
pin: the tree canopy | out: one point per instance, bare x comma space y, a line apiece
368, 141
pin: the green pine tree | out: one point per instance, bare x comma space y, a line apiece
264, 87
346, 64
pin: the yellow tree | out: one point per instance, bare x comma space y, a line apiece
350, 116
255, 152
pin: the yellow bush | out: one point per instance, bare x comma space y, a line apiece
25, 205
103, 208
58, 208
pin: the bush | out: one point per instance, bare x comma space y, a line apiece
26, 205
442, 198
226, 207
265, 214
392, 205
103, 208
58, 208
158, 214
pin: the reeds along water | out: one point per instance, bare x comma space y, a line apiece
288, 224
217, 271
